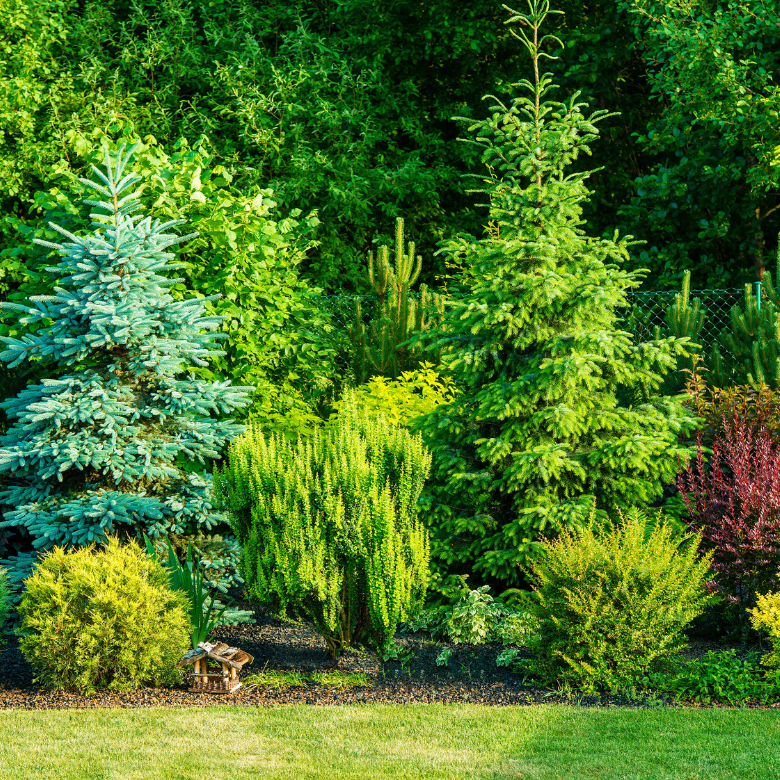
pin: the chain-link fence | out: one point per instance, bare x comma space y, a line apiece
646, 311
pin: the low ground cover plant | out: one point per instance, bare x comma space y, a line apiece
330, 525
720, 677
102, 618
276, 680
611, 602
474, 617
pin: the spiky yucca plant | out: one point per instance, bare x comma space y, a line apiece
329, 525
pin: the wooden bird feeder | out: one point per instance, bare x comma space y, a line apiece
231, 658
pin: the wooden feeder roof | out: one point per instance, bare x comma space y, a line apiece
230, 656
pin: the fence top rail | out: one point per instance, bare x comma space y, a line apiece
693, 293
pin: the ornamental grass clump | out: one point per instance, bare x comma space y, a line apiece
611, 602
102, 619
329, 525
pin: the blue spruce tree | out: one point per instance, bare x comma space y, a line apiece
99, 448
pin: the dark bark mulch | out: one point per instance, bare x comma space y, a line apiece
471, 676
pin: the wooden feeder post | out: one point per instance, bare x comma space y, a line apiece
231, 660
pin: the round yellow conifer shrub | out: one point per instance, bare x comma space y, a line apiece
102, 619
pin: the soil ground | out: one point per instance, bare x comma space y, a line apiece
471, 675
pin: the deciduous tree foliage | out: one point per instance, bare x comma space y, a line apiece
246, 252
710, 204
345, 106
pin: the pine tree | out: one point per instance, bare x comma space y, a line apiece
539, 434
98, 448
683, 319
381, 347
753, 341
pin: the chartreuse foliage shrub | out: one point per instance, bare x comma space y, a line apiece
765, 616
329, 525
400, 401
102, 618
94, 448
539, 430
611, 602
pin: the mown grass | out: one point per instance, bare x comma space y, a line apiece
445, 742
275, 680
282, 680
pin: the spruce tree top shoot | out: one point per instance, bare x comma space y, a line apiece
95, 446
550, 418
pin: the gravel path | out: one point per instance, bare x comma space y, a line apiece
471, 676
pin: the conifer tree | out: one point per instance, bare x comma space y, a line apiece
683, 318
539, 435
753, 341
381, 346
97, 448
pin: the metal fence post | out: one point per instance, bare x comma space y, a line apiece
757, 286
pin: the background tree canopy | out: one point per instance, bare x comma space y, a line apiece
344, 107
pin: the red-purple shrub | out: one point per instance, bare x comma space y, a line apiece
735, 505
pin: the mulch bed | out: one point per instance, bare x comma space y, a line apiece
470, 677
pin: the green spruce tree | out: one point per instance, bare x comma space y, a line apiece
99, 448
539, 434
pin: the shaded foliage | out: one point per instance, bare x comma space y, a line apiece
344, 107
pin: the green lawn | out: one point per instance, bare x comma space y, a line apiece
414, 741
